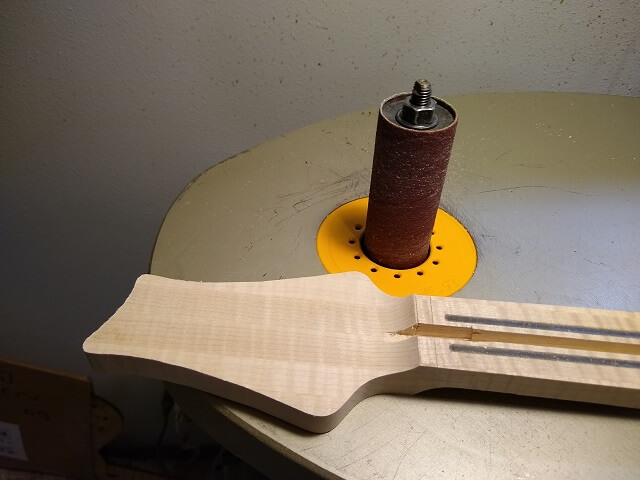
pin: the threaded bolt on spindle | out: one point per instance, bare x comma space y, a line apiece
421, 95
419, 109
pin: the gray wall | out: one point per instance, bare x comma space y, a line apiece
107, 109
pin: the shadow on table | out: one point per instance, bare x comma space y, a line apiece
533, 403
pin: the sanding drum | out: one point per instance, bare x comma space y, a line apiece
413, 144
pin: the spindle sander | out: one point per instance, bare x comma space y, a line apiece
307, 350
398, 236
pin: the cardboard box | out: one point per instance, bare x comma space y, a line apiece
45, 421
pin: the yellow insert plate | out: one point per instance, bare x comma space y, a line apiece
451, 263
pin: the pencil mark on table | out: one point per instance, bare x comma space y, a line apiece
406, 452
503, 154
537, 186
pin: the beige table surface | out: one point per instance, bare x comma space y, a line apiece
549, 187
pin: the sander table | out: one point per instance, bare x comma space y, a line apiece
548, 186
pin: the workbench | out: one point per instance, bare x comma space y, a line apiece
548, 185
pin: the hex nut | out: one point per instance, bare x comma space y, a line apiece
419, 116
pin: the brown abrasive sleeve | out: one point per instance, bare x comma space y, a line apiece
409, 168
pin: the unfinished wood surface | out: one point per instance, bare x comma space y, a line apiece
306, 350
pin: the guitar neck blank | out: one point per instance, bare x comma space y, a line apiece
307, 350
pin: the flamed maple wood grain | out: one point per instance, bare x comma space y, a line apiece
307, 350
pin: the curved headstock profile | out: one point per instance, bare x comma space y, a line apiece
298, 348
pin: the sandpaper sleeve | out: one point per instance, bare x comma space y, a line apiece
408, 173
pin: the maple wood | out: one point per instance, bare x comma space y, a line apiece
307, 350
